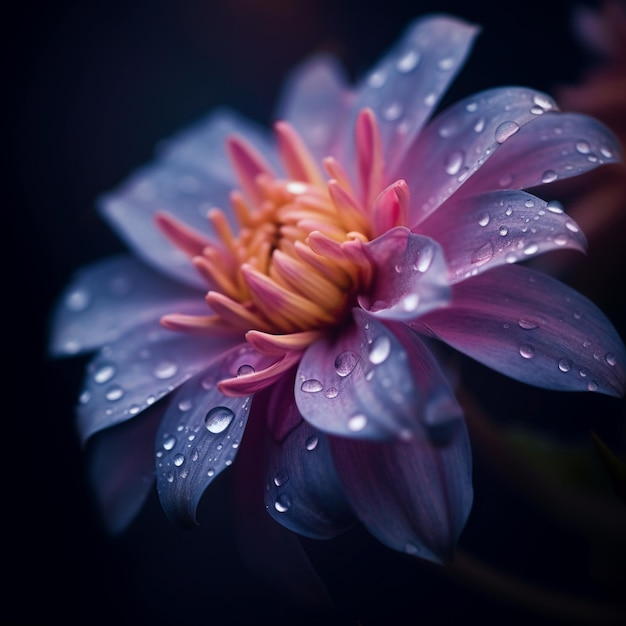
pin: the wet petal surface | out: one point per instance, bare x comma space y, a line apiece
535, 329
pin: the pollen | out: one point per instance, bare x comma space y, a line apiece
290, 268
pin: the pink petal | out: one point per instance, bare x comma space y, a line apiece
461, 139
553, 147
405, 85
498, 227
533, 328
108, 298
373, 382
412, 496
410, 276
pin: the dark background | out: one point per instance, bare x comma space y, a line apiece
92, 86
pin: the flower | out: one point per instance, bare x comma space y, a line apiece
308, 310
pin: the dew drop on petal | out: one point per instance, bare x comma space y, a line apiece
245, 369
169, 443
114, 393
554, 206
454, 162
548, 176
504, 231
425, 259
610, 358
78, 300
571, 226
377, 79
392, 111
184, 405
527, 324
592, 385
218, 419
165, 370
410, 302
408, 62
565, 365
331, 392
483, 254
311, 385
526, 351
533, 248
179, 459
282, 503
280, 478
346, 362
479, 126
583, 147
311, 443
380, 350
484, 219
104, 374
506, 130
357, 422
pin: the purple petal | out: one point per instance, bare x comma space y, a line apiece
413, 496
315, 102
121, 467
106, 299
480, 232
302, 491
461, 139
554, 147
368, 384
198, 439
410, 276
535, 329
405, 85
142, 366
191, 176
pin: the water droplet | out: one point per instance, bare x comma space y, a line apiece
480, 125
392, 111
104, 374
554, 206
377, 79
565, 365
311, 443
282, 503
533, 248
281, 478
529, 204
606, 152
506, 130
207, 383
424, 259
179, 459
165, 370
78, 300
210, 473
346, 362
560, 239
430, 99
454, 162
169, 443
357, 422
470, 107
134, 409
185, 405
114, 393
571, 226
408, 61
311, 386
410, 302
548, 176
610, 358
245, 370
583, 147
218, 419
504, 231
446, 64
331, 392
484, 219
592, 385
526, 351
509, 211
380, 350
483, 254
543, 101
527, 324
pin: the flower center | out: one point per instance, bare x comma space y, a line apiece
296, 261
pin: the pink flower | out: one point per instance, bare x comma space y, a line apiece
308, 310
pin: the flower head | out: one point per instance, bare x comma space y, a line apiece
297, 286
